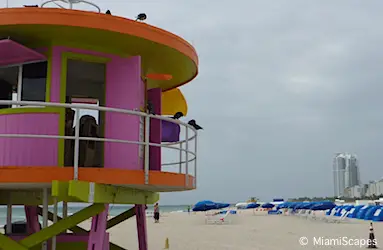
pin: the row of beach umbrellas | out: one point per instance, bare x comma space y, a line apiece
315, 205
207, 205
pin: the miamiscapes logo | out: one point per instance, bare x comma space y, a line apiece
342, 241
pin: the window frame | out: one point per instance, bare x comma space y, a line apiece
20, 80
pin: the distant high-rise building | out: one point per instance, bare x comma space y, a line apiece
345, 172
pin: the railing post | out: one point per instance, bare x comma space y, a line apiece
45, 215
195, 159
76, 143
9, 216
147, 141
187, 156
55, 208
180, 165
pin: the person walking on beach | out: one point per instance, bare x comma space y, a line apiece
156, 213
188, 209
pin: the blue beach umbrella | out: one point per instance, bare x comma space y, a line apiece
205, 205
322, 206
252, 205
267, 205
222, 205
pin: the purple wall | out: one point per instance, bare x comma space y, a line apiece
29, 151
154, 95
124, 90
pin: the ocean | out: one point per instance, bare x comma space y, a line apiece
18, 213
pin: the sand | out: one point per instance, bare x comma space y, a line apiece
245, 232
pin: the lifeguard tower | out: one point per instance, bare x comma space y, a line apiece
58, 66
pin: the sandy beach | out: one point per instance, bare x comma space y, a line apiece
245, 232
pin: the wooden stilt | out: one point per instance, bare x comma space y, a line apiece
32, 217
141, 227
97, 232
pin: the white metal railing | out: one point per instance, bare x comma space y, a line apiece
70, 3
190, 156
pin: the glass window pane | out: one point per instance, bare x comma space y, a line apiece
34, 82
8, 84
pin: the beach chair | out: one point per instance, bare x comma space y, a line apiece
338, 219
218, 218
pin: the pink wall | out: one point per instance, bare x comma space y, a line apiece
124, 90
154, 95
29, 151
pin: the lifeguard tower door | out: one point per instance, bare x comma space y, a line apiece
85, 83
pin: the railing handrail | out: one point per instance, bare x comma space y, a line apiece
97, 108
146, 142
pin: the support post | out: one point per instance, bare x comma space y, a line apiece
97, 234
45, 215
76, 143
65, 211
54, 221
195, 160
180, 165
9, 218
146, 161
32, 216
187, 157
141, 227
155, 96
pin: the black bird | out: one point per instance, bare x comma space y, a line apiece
178, 115
150, 108
194, 124
141, 17
108, 12
31, 6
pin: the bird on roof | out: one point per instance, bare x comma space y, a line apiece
141, 17
194, 124
178, 115
108, 12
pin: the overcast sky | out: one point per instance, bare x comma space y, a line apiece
282, 86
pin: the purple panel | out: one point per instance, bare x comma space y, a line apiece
123, 89
154, 95
170, 132
29, 151
15, 53
60, 238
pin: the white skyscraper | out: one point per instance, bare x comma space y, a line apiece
345, 172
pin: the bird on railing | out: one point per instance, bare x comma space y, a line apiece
194, 124
178, 115
150, 108
108, 12
141, 17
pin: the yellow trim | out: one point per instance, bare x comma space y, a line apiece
85, 57
49, 74
9, 244
63, 78
27, 110
60, 226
